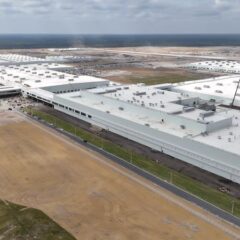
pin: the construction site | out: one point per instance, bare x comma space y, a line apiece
191, 125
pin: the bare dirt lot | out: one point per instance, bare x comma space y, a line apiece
91, 197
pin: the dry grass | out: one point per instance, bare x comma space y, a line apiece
158, 76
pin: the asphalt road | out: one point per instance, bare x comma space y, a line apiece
164, 184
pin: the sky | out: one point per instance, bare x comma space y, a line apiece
119, 16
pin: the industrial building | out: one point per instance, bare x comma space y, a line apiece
216, 66
223, 89
180, 120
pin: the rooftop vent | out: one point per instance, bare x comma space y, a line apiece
198, 88
188, 109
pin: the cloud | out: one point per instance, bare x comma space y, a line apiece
121, 8
129, 12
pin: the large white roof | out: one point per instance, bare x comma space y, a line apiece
227, 138
217, 66
16, 58
40, 75
220, 88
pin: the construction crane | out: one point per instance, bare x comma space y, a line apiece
232, 104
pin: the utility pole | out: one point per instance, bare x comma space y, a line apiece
232, 104
171, 177
233, 205
131, 155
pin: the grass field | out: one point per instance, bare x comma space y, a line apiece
21, 223
158, 76
219, 199
151, 80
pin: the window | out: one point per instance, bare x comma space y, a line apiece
83, 114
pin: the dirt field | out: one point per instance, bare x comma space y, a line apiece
89, 196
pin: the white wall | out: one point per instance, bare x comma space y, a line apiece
212, 159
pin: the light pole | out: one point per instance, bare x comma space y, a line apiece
171, 177
232, 104
233, 205
131, 156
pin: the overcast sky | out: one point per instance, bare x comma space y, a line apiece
119, 16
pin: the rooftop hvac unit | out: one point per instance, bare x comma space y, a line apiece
121, 108
140, 93
206, 114
188, 109
198, 88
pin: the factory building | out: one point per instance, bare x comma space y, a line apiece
174, 119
